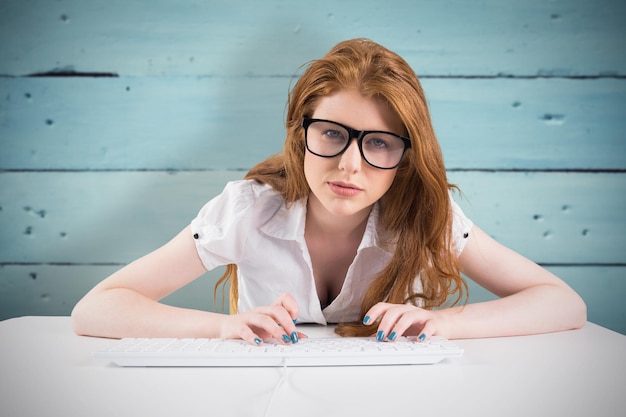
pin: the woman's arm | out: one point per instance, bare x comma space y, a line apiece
126, 304
533, 300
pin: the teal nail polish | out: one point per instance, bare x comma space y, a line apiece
257, 340
286, 338
294, 337
392, 336
422, 337
380, 336
366, 319
295, 321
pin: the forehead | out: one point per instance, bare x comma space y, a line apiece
351, 108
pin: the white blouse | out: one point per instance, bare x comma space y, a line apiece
249, 225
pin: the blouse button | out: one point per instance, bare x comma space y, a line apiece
195, 236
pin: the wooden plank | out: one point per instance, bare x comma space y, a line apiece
115, 217
550, 217
232, 123
92, 217
448, 37
140, 123
55, 289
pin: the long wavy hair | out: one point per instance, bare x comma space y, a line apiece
415, 211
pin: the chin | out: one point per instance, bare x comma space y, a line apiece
345, 208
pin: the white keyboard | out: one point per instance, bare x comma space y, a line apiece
334, 351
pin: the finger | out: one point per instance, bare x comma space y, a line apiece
282, 321
387, 329
286, 313
412, 319
264, 322
427, 331
289, 303
375, 312
249, 336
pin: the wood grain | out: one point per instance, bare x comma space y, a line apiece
209, 38
115, 217
214, 123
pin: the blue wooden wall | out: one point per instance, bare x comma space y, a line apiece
119, 119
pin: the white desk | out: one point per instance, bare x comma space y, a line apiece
46, 370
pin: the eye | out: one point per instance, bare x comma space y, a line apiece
335, 135
377, 143
383, 142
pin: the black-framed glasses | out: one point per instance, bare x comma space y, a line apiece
328, 139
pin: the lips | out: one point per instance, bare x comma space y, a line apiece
344, 189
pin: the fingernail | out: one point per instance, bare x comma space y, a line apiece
257, 340
380, 336
295, 321
392, 336
366, 319
286, 338
422, 337
294, 337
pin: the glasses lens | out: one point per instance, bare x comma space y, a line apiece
382, 150
326, 138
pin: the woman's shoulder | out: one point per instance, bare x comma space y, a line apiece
251, 191
228, 220
242, 199
461, 226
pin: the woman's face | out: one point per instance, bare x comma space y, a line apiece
346, 184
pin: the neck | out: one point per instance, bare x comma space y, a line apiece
321, 221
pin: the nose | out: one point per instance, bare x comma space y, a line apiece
351, 159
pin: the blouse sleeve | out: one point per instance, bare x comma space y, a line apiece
220, 227
461, 227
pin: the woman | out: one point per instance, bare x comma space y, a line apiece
352, 223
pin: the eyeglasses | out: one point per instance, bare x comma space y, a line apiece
328, 139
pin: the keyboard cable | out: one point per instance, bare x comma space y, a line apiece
279, 384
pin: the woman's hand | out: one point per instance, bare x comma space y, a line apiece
274, 321
404, 320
